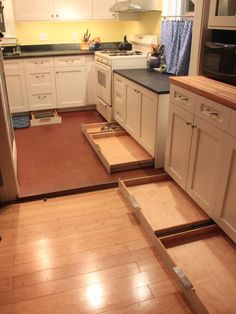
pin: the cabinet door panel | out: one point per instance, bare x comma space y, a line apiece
90, 80
17, 95
71, 88
178, 144
26, 10
205, 163
73, 9
101, 10
226, 198
133, 110
148, 121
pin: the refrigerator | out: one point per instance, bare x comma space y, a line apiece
9, 189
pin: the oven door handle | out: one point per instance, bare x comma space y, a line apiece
103, 67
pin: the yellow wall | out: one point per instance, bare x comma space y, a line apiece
61, 32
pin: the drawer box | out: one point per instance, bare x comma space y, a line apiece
14, 65
199, 255
37, 63
116, 149
183, 98
213, 112
69, 61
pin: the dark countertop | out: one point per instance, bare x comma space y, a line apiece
157, 82
51, 50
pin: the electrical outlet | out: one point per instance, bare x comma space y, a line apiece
74, 36
43, 36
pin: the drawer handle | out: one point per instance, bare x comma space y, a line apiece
38, 62
188, 123
183, 278
69, 61
183, 98
40, 76
211, 113
42, 97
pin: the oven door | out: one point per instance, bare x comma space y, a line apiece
103, 82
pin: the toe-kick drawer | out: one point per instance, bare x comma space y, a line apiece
115, 147
199, 255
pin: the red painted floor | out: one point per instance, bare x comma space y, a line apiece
58, 157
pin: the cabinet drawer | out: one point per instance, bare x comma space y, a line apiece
213, 112
41, 80
69, 61
118, 81
37, 63
232, 125
182, 98
40, 101
104, 110
10, 65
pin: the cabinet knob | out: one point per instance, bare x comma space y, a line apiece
52, 15
57, 15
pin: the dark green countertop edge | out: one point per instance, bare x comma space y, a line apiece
156, 82
40, 54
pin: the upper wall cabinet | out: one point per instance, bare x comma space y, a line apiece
52, 10
101, 10
222, 14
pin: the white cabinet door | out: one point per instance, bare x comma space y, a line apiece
133, 110
206, 159
222, 14
40, 10
148, 121
70, 86
90, 80
73, 9
101, 10
225, 214
179, 135
16, 89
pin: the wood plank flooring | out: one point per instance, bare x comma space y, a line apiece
81, 254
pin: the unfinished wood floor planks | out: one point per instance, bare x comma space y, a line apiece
81, 254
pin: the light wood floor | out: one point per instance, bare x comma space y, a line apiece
81, 254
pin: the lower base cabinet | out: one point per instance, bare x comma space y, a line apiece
199, 255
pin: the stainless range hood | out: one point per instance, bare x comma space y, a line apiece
136, 6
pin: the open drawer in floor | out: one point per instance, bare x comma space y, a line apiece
116, 148
200, 256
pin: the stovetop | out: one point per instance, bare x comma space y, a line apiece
112, 53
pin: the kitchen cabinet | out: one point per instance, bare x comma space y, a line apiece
195, 148
222, 14
40, 81
90, 80
225, 214
136, 110
70, 81
15, 76
101, 10
52, 10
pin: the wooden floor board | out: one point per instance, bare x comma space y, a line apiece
81, 254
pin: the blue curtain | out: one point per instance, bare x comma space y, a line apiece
176, 36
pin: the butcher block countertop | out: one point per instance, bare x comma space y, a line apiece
212, 89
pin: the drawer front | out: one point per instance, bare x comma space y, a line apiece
213, 112
232, 125
41, 80
104, 110
118, 81
37, 63
70, 61
10, 65
182, 98
41, 101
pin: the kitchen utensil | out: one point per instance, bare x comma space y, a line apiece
125, 45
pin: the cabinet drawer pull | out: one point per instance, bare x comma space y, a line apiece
52, 15
194, 126
188, 123
42, 97
214, 114
183, 278
38, 62
40, 76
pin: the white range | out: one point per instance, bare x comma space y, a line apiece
107, 61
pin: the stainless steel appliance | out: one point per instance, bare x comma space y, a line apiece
8, 156
220, 62
107, 61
